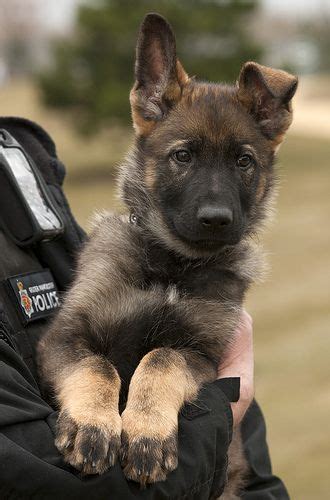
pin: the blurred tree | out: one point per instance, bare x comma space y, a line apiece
93, 72
318, 32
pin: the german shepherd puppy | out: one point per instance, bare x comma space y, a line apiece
157, 296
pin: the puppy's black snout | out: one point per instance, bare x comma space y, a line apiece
211, 217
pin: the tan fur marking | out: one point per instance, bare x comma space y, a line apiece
172, 92
267, 93
150, 174
88, 393
261, 187
183, 77
156, 394
278, 81
89, 396
141, 126
278, 141
160, 385
176, 145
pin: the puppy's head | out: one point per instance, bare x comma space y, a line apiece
201, 172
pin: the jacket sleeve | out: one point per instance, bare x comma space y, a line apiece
31, 467
262, 483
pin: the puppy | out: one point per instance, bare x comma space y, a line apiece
158, 294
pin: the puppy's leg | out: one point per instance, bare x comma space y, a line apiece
164, 380
89, 425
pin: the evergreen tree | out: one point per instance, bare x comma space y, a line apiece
93, 72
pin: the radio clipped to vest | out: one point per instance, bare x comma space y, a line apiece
27, 210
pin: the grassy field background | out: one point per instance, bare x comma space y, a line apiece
290, 309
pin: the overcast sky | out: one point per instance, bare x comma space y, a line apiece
304, 7
60, 13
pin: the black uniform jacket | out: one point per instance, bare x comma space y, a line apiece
30, 465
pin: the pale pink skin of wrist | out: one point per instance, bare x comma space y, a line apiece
239, 362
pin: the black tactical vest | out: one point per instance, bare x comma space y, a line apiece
33, 278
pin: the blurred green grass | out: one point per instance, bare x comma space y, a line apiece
290, 309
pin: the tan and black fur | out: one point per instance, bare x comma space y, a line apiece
157, 297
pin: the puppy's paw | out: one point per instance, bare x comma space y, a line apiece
149, 449
89, 446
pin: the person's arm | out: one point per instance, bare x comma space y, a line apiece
31, 466
239, 362
261, 484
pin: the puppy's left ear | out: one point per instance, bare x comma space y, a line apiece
266, 93
159, 76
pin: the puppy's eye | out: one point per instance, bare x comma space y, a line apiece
182, 156
245, 162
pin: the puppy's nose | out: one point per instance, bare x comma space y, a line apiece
213, 217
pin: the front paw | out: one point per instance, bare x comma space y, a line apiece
89, 446
149, 449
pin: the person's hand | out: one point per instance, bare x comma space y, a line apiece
239, 362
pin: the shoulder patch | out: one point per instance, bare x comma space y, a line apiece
35, 294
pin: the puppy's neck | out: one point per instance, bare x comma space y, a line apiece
245, 259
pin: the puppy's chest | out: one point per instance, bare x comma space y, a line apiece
193, 279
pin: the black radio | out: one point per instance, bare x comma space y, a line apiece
27, 209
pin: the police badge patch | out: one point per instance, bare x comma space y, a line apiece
26, 301
36, 294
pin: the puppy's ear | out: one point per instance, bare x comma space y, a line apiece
266, 93
159, 76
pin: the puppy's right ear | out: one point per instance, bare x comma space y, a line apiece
266, 93
159, 76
